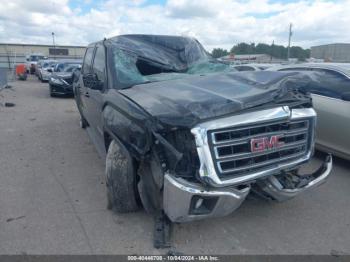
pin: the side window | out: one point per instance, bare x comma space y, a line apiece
332, 83
99, 63
87, 60
324, 82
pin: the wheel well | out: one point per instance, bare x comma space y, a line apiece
108, 139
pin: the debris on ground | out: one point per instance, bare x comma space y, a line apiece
8, 104
162, 231
14, 218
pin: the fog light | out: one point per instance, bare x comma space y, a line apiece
202, 205
199, 202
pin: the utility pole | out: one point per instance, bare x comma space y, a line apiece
54, 46
273, 44
289, 37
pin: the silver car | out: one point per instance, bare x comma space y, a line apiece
330, 91
45, 69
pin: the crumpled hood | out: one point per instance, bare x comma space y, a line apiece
187, 101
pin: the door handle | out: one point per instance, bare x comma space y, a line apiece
87, 94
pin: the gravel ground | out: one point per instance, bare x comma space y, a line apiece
53, 198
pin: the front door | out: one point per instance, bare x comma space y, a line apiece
96, 89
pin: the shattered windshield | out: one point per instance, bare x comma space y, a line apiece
160, 60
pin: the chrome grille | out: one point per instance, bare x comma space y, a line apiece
231, 147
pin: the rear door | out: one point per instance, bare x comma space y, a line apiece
82, 92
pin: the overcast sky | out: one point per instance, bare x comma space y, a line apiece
215, 23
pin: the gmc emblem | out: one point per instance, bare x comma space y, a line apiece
265, 143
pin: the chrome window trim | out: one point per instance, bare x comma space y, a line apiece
207, 170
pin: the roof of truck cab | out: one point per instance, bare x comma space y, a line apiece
140, 37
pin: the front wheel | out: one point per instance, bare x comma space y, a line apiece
120, 180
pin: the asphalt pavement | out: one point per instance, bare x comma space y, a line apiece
53, 197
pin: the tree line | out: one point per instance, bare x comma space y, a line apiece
277, 51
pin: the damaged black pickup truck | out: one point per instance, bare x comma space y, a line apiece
185, 135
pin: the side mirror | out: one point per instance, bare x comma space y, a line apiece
97, 84
49, 70
91, 81
346, 96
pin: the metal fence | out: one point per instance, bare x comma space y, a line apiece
6, 77
3, 77
9, 60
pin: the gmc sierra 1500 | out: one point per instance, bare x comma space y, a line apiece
184, 134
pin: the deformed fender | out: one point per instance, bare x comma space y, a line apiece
152, 170
139, 133
124, 120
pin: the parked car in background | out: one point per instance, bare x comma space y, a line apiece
330, 91
251, 67
32, 61
44, 69
61, 79
38, 65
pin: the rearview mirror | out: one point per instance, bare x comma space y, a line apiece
346, 96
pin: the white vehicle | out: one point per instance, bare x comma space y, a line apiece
330, 92
32, 60
44, 69
251, 67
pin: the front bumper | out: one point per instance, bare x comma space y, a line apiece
180, 199
274, 189
61, 89
45, 76
184, 201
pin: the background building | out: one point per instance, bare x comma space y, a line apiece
11, 54
332, 52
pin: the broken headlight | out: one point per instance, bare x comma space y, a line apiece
188, 165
